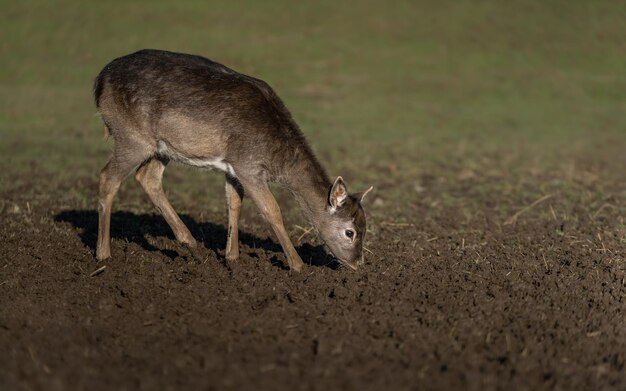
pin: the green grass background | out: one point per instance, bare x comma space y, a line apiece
397, 87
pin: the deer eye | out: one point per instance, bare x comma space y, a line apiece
350, 233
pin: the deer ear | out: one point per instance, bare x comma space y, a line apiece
360, 196
338, 193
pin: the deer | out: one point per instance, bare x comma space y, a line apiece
162, 106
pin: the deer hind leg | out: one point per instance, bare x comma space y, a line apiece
265, 201
150, 177
111, 176
234, 197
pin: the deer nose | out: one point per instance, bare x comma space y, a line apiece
351, 264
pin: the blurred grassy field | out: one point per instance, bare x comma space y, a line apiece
397, 88
493, 131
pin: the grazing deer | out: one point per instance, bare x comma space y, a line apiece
161, 106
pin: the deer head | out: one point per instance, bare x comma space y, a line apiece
342, 224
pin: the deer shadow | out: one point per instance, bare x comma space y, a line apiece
133, 228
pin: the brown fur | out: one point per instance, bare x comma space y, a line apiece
161, 105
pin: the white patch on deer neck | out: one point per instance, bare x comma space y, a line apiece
216, 162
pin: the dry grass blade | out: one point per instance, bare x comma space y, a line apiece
306, 231
604, 206
98, 271
392, 224
513, 219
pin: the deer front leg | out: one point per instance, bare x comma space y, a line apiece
265, 201
234, 197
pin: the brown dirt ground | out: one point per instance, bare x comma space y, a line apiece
447, 299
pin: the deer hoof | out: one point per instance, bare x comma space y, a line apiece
296, 266
190, 243
194, 251
103, 255
232, 257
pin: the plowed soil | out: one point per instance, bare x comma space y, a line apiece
450, 297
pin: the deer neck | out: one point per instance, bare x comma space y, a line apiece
309, 183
